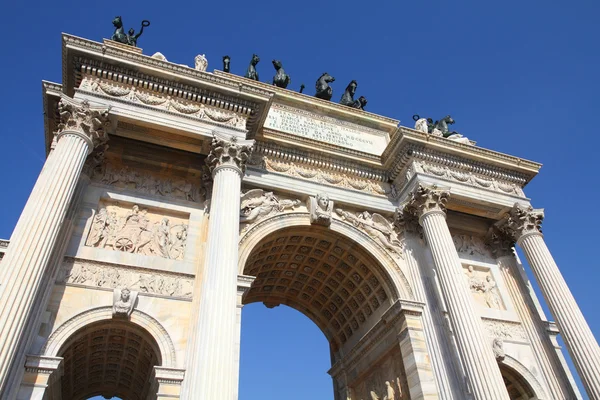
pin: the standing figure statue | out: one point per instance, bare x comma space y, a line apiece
251, 72
302, 87
348, 96
361, 103
324, 91
130, 38
226, 61
281, 79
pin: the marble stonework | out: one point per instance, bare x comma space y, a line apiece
172, 196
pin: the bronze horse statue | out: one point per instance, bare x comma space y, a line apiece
348, 96
281, 79
324, 91
442, 126
251, 72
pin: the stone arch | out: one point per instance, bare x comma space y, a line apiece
337, 276
513, 369
61, 335
267, 226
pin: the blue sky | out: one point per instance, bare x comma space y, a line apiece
518, 77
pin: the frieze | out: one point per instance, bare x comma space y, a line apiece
112, 276
257, 204
177, 188
505, 330
471, 245
323, 176
135, 230
466, 177
163, 101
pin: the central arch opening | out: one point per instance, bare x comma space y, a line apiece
326, 276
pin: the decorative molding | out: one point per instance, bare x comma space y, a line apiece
189, 106
505, 330
107, 173
465, 176
95, 274
38, 364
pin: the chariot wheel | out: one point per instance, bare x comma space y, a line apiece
124, 244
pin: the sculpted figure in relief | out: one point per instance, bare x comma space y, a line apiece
498, 347
123, 302
376, 226
320, 208
134, 233
486, 287
256, 204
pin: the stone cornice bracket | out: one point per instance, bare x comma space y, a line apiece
79, 118
426, 199
521, 221
499, 242
229, 152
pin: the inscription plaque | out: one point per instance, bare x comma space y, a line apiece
326, 129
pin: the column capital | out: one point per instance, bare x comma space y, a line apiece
80, 118
427, 199
229, 152
499, 242
405, 220
522, 220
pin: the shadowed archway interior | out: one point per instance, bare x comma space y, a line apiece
328, 277
518, 388
109, 358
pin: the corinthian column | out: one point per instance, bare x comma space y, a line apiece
35, 236
210, 373
483, 374
523, 224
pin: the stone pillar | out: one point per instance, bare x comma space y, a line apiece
552, 371
211, 375
36, 234
42, 379
483, 374
523, 224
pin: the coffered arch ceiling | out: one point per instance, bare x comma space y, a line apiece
109, 358
326, 276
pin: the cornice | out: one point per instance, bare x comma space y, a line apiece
414, 144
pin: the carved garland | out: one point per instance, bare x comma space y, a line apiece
190, 108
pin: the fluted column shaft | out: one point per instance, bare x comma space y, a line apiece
481, 368
545, 353
479, 362
35, 236
576, 333
210, 373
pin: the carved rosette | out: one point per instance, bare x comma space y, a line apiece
427, 199
230, 152
80, 117
520, 221
499, 242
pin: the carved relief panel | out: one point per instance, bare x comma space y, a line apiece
133, 229
483, 287
384, 381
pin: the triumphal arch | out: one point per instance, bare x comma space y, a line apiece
172, 196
